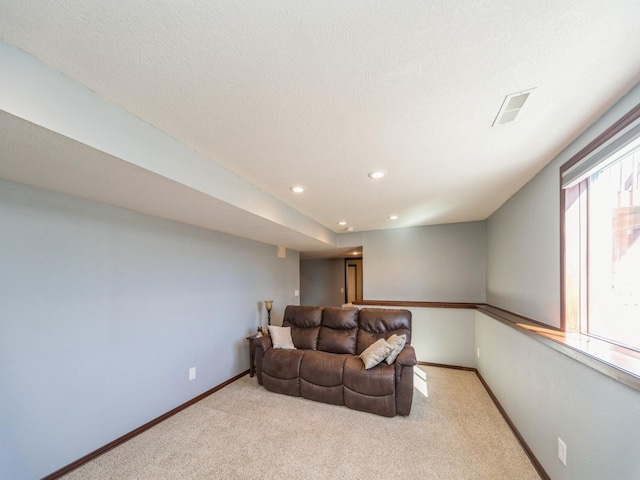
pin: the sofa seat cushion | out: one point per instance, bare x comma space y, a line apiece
377, 381
322, 368
283, 364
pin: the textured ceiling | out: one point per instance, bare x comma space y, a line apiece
320, 93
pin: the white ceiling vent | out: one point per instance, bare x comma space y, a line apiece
512, 107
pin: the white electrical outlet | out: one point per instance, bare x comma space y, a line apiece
478, 352
192, 373
562, 451
296, 293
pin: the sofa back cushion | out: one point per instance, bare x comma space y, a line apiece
375, 323
338, 330
305, 325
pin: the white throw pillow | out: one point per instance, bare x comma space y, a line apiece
375, 353
281, 337
397, 342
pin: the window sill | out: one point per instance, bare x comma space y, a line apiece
619, 363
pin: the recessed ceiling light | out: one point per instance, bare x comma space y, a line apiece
355, 253
376, 174
343, 223
393, 217
297, 189
350, 229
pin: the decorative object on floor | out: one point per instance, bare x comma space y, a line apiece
268, 304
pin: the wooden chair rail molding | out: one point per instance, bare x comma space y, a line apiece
621, 364
395, 303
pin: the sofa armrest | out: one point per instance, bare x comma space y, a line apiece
404, 379
406, 358
261, 345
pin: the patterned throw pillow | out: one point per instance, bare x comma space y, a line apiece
375, 353
397, 342
281, 337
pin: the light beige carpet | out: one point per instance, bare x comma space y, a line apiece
243, 431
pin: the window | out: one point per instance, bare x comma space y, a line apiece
601, 241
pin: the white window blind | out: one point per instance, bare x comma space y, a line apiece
619, 146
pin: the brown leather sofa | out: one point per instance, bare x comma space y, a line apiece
325, 365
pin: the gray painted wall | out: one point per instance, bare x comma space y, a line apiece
441, 263
443, 335
523, 251
549, 395
103, 313
322, 282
